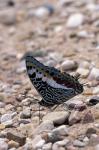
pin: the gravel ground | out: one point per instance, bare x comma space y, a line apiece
63, 34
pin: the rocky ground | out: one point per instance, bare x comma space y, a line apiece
63, 34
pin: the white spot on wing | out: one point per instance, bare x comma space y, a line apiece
31, 71
38, 75
53, 83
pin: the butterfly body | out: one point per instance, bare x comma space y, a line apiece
54, 86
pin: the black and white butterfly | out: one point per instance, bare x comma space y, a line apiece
54, 86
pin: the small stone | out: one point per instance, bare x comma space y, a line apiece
93, 100
43, 11
44, 126
83, 72
90, 131
78, 143
74, 117
94, 74
92, 7
8, 16
26, 113
47, 146
2, 104
12, 144
82, 34
63, 142
56, 117
69, 65
97, 147
88, 117
75, 20
54, 137
17, 137
5, 117
3, 144
2, 126
38, 142
96, 90
75, 104
84, 64
21, 68
62, 130
86, 140
26, 101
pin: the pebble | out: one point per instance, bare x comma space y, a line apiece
97, 147
12, 144
96, 90
78, 143
16, 136
88, 117
6, 119
75, 20
83, 72
74, 117
26, 113
74, 104
83, 34
61, 130
3, 144
2, 104
63, 142
56, 117
47, 146
90, 131
8, 16
37, 142
94, 74
44, 126
21, 68
93, 100
44, 11
92, 7
2, 126
84, 64
69, 65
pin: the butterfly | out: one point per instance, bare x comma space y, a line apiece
55, 87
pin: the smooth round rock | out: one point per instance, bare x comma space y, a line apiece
61, 130
78, 143
94, 74
69, 65
47, 146
58, 117
75, 20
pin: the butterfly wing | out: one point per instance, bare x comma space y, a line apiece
54, 87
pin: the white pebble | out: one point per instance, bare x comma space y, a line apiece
94, 74
75, 20
41, 12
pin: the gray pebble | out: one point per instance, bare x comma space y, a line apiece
47, 146
61, 130
69, 65
3, 144
8, 16
78, 143
58, 117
